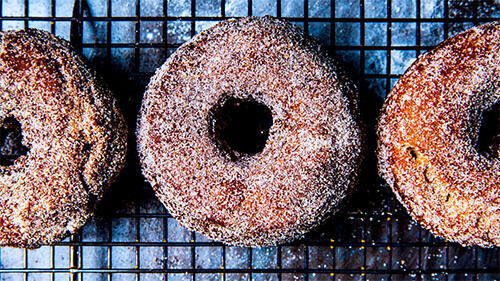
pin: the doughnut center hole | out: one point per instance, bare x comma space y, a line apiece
11, 147
241, 125
413, 152
86, 148
488, 140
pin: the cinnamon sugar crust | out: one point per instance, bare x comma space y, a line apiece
73, 130
428, 131
310, 159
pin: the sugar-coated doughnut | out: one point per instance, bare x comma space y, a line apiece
249, 133
428, 131
72, 134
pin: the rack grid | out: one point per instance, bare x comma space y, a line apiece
132, 236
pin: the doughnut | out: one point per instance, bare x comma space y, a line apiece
428, 131
69, 132
249, 133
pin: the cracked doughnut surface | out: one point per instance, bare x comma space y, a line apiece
428, 131
262, 196
73, 131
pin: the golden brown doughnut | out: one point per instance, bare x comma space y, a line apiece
72, 129
428, 131
249, 133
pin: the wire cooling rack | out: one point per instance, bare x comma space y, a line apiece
132, 237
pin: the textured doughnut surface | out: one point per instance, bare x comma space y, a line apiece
312, 153
427, 138
74, 133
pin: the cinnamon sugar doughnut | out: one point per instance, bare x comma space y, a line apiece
73, 134
249, 133
428, 132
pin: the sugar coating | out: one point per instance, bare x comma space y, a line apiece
73, 129
427, 138
311, 157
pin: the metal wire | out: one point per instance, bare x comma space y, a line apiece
134, 238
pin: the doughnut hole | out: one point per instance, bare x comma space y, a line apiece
412, 152
11, 147
240, 126
488, 141
86, 148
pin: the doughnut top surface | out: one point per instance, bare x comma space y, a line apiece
72, 131
249, 133
428, 132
